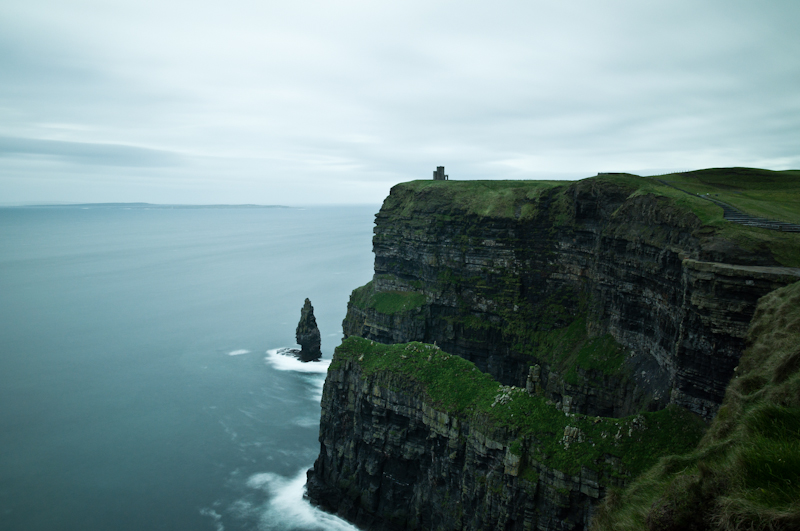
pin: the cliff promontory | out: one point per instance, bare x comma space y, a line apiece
525, 348
625, 292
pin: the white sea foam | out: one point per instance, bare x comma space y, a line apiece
282, 360
306, 422
211, 513
319, 383
286, 509
238, 352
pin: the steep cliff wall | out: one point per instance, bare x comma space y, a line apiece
414, 438
516, 275
745, 473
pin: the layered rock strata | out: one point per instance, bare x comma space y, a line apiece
398, 453
307, 334
500, 279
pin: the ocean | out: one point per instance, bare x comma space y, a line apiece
141, 383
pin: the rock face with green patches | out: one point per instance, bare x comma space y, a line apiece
496, 272
415, 438
745, 472
571, 336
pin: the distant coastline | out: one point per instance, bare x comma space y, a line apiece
133, 205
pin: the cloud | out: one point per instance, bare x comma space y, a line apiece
88, 153
331, 101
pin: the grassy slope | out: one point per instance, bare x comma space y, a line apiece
569, 348
745, 474
455, 386
764, 193
386, 302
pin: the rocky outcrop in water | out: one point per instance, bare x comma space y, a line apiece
307, 334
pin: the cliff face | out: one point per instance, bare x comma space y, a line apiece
608, 308
745, 473
499, 280
414, 438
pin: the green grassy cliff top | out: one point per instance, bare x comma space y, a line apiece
762, 193
483, 198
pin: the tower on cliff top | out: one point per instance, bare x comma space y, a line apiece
439, 175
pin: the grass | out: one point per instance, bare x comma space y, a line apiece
745, 473
386, 302
570, 348
455, 386
763, 193
602, 354
504, 199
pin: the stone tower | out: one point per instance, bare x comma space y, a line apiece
439, 175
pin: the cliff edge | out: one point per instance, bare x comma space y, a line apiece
526, 349
415, 438
513, 274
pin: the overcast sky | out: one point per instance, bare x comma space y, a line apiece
306, 102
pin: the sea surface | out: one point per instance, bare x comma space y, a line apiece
141, 386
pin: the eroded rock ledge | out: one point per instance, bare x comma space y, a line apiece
415, 438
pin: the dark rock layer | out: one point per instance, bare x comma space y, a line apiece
390, 461
502, 290
675, 295
307, 334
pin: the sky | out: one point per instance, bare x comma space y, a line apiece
319, 102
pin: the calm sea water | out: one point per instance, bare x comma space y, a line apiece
139, 384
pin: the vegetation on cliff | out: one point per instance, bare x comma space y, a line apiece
482, 198
762, 193
385, 302
765, 193
456, 387
745, 473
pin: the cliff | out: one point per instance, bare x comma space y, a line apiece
510, 275
745, 473
526, 348
415, 438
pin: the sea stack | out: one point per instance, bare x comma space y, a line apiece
308, 334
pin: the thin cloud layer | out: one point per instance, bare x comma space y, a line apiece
317, 102
88, 153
